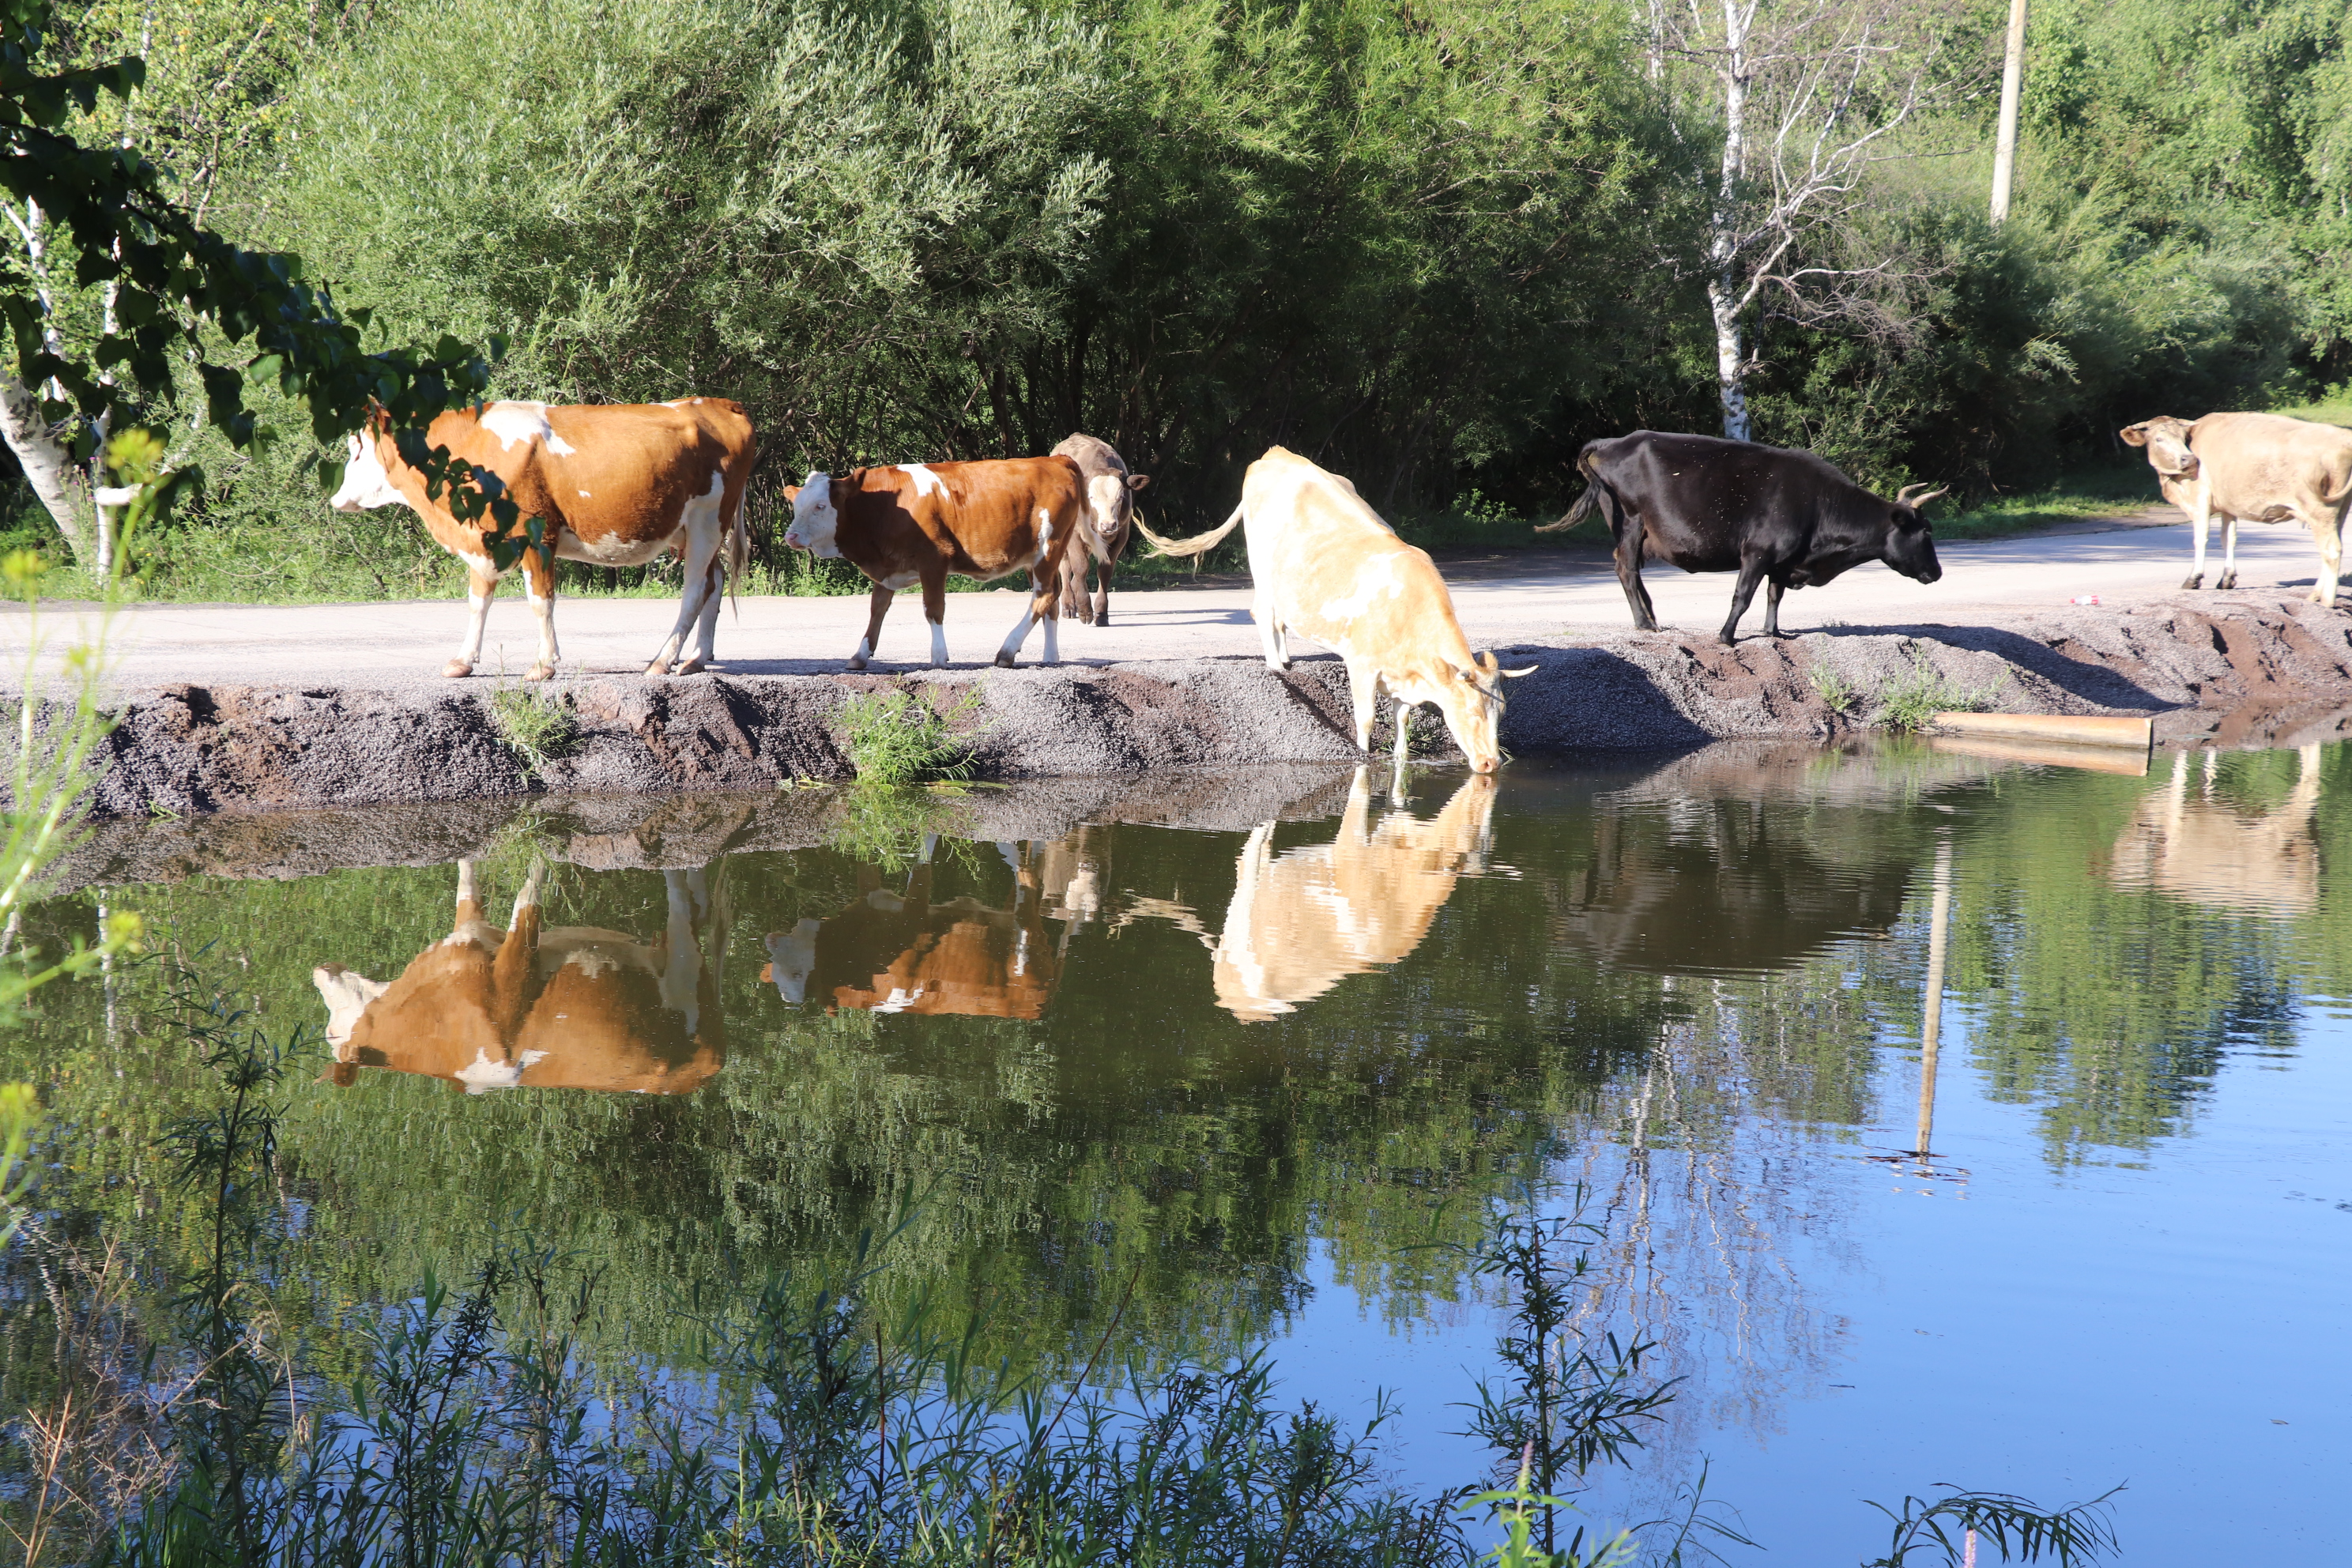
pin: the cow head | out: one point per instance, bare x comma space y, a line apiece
1472, 701
792, 958
346, 994
814, 517
1910, 543
2167, 439
367, 485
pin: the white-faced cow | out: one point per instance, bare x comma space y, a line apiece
1325, 565
1776, 516
2264, 467
542, 1007
615, 485
1110, 514
917, 522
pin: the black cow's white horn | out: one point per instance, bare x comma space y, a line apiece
1908, 495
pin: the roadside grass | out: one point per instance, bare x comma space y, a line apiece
1910, 701
2106, 490
897, 737
2336, 408
537, 725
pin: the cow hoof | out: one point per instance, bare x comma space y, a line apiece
1727, 639
691, 666
657, 668
2226, 580
541, 672
2196, 580
457, 670
1003, 659
854, 663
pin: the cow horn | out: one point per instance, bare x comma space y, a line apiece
1906, 496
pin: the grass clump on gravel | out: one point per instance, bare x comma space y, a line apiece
1911, 701
894, 737
538, 727
1832, 687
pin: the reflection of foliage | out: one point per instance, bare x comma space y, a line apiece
2017, 1528
886, 825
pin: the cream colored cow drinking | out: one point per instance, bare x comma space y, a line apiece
1326, 566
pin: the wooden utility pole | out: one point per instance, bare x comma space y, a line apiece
2013, 78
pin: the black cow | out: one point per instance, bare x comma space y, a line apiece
1772, 514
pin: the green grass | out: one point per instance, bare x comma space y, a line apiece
1911, 701
2103, 491
897, 737
536, 724
2336, 408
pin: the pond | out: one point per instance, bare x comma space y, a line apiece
1941, 1117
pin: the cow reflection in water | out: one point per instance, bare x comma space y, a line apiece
539, 1006
1303, 920
2210, 852
901, 952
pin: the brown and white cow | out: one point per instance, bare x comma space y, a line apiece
615, 485
1324, 565
901, 952
918, 522
1110, 514
1302, 920
2263, 467
542, 1007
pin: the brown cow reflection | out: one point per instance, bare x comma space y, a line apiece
901, 952
2205, 850
539, 1006
1303, 920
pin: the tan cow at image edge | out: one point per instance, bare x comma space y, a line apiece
913, 523
2264, 467
615, 485
1324, 565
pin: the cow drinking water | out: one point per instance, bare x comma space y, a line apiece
1325, 565
615, 485
1776, 516
916, 522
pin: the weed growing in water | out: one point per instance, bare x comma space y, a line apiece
1911, 701
539, 726
2015, 1527
896, 737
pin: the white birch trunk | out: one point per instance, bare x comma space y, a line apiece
1724, 297
48, 467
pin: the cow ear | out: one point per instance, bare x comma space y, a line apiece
792, 492
2135, 434
1137, 481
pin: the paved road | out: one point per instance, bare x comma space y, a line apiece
1502, 601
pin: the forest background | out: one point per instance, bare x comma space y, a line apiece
1437, 245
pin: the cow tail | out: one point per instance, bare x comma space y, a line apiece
1199, 544
1584, 503
2340, 497
739, 553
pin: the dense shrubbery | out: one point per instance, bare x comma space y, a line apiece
1437, 245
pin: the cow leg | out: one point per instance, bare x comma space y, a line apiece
2200, 520
1102, 593
698, 598
1269, 631
2329, 537
1629, 571
1742, 594
1044, 592
1772, 592
2228, 577
539, 586
879, 606
935, 612
1364, 686
479, 586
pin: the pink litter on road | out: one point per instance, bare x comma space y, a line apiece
2084, 599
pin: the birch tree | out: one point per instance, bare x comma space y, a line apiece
1798, 99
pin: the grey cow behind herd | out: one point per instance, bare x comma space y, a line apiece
2264, 467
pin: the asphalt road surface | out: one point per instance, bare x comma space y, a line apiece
1502, 600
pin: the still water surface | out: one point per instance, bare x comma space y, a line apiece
2098, 1230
